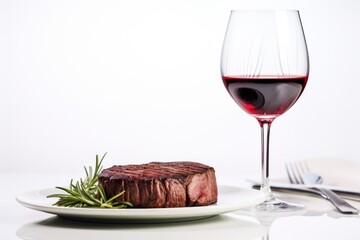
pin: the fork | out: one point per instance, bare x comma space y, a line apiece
299, 173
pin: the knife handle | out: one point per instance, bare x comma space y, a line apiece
338, 202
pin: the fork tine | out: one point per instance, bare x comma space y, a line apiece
292, 181
301, 170
294, 173
305, 166
298, 172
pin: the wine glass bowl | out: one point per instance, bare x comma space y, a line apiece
265, 68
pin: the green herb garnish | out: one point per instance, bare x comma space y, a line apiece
88, 193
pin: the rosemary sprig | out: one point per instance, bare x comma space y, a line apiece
88, 193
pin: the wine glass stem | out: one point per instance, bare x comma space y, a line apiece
265, 143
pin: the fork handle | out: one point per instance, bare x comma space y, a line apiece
338, 202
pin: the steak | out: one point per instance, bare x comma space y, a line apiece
161, 184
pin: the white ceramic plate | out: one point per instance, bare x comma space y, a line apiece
229, 199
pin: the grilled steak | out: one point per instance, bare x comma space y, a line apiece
162, 184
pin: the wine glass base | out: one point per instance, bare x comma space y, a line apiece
273, 204
267, 212
270, 210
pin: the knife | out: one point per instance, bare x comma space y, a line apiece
310, 189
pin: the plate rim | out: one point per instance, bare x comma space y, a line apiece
141, 213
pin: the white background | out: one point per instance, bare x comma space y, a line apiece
141, 80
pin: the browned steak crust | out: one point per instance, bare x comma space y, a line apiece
162, 184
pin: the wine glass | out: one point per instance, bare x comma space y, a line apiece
265, 67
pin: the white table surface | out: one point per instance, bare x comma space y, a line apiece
318, 221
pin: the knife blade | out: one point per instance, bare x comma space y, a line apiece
310, 189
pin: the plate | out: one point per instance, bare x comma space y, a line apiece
229, 199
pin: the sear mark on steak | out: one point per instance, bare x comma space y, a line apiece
162, 184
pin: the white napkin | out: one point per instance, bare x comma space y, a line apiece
339, 173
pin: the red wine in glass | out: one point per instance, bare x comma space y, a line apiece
265, 97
